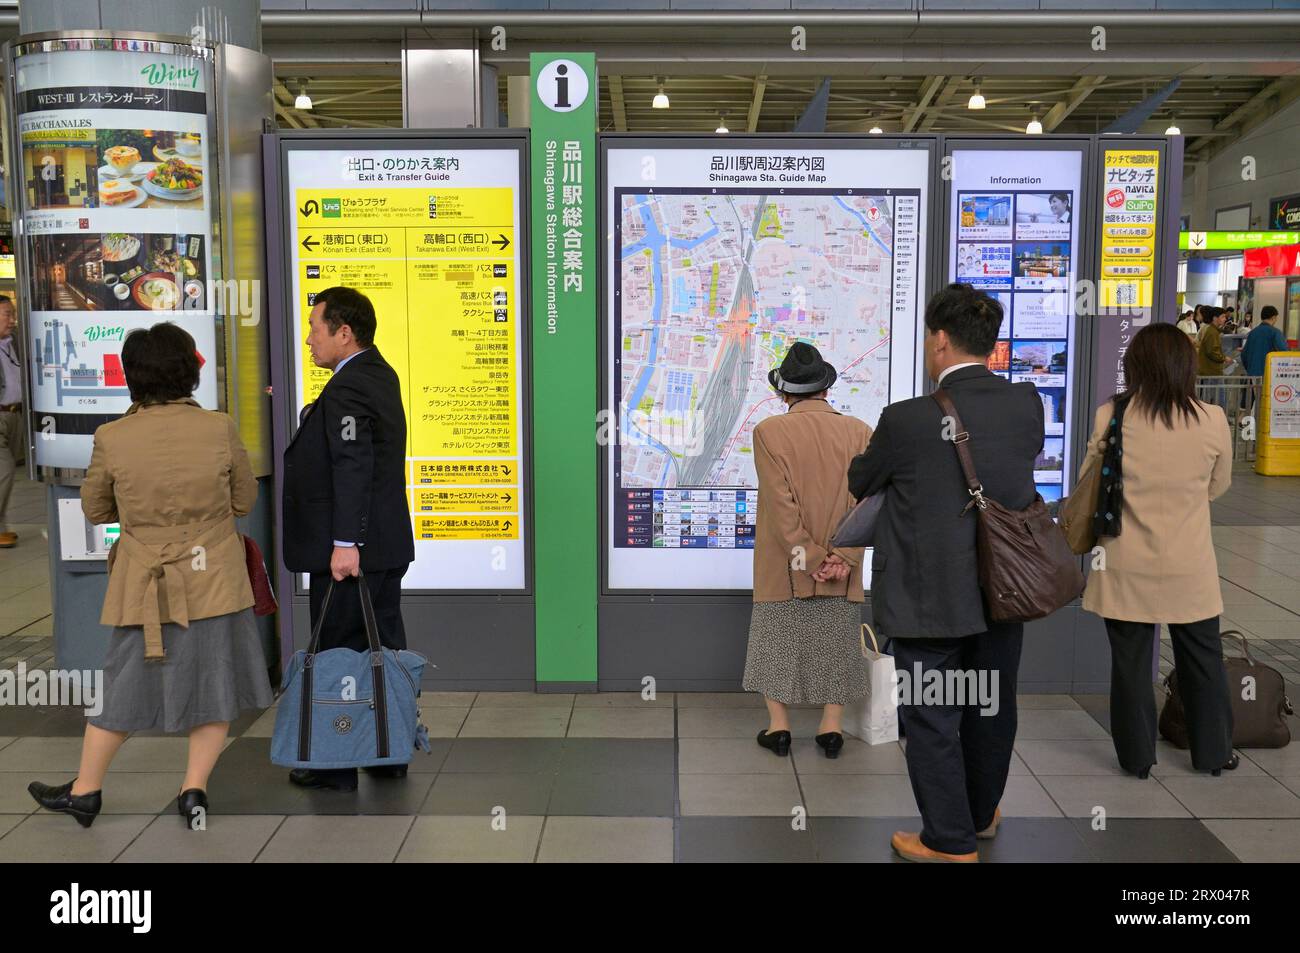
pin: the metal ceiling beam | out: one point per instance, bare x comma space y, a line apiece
616, 103
950, 87
1281, 88
928, 89
756, 104
298, 118
1081, 91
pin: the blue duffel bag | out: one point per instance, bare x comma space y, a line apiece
347, 709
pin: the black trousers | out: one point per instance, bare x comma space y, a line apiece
1202, 683
958, 758
344, 625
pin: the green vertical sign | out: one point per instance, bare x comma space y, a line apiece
563, 189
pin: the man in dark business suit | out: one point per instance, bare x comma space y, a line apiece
925, 592
345, 504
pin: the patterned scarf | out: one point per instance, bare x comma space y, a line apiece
1106, 519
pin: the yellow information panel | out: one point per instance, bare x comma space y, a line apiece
1128, 229
1278, 453
430, 235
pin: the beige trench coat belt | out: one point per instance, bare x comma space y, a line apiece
139, 545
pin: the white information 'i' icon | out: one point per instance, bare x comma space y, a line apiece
562, 85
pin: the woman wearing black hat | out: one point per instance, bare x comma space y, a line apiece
804, 634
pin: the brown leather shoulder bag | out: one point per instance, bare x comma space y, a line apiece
1026, 569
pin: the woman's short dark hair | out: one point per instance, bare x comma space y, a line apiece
161, 364
971, 318
1060, 195
348, 306
1160, 373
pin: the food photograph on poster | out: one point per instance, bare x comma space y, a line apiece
118, 271
118, 168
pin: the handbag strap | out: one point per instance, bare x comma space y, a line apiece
959, 440
367, 617
868, 630
1245, 649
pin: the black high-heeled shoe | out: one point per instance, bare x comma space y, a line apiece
192, 803
777, 742
84, 807
1232, 765
830, 742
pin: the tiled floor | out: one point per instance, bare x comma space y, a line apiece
523, 777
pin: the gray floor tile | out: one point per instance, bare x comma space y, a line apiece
1047, 724
473, 839
607, 840
1174, 762
623, 700
151, 754
56, 838
1276, 761
1039, 840
748, 795
714, 722
548, 700
1253, 841
856, 757
1071, 756
482, 794
517, 755
1118, 797
444, 721
612, 795
9, 821
857, 840
1062, 702
744, 840
617, 756
1226, 796
317, 840
507, 722
621, 723
372, 796
1152, 840
14, 798
720, 700
1026, 797
140, 792
848, 795
447, 699
228, 840
728, 756
43, 758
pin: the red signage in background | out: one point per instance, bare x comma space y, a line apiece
1271, 262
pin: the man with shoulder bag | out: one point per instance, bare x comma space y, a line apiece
925, 570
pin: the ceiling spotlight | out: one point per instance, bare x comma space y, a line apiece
661, 98
1173, 130
303, 101
1035, 128
976, 100
722, 125
875, 130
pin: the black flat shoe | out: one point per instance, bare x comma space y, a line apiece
1143, 774
777, 742
84, 807
342, 779
386, 770
192, 804
831, 742
1230, 766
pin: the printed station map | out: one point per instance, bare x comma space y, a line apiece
714, 288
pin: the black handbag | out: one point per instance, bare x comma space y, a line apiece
858, 528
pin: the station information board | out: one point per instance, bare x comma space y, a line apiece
1014, 233
720, 257
430, 232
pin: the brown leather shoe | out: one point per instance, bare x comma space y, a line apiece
989, 832
907, 844
8, 540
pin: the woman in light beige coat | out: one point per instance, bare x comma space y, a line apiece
1175, 457
184, 654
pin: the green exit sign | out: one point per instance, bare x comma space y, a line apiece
1234, 241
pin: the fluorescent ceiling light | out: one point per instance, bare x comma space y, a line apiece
976, 100
722, 126
1173, 130
303, 101
1035, 128
661, 99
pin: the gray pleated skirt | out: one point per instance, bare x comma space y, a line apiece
806, 651
212, 670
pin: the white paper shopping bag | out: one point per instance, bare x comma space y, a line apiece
874, 718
